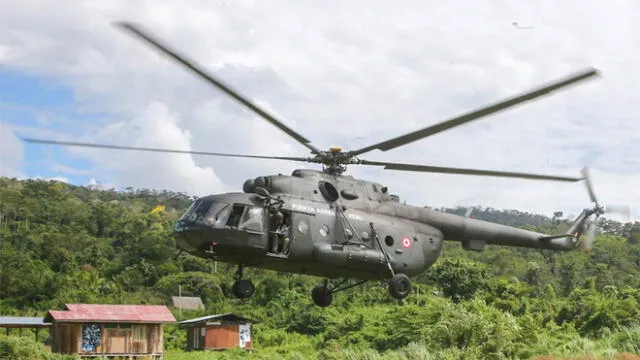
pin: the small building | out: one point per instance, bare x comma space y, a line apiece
109, 330
218, 332
187, 302
20, 322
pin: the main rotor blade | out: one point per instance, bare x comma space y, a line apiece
463, 119
190, 64
590, 236
461, 171
587, 182
623, 210
119, 147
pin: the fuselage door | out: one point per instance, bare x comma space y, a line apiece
302, 243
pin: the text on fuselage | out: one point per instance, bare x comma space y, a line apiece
321, 211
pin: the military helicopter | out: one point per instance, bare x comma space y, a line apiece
331, 225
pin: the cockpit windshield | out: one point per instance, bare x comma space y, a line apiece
197, 210
222, 215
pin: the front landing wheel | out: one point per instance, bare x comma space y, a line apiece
399, 286
322, 296
243, 288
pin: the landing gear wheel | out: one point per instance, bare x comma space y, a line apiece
399, 286
243, 289
321, 295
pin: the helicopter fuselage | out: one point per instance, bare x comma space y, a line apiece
338, 226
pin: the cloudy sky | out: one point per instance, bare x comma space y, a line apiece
379, 68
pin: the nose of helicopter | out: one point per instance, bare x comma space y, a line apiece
229, 228
198, 238
191, 230
188, 235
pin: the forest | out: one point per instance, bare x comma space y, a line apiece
61, 243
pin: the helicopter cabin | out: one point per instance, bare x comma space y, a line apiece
89, 330
313, 189
218, 332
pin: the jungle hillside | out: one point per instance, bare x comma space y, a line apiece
61, 243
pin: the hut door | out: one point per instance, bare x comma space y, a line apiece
197, 336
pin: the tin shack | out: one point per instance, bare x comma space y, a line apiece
218, 332
109, 330
19, 322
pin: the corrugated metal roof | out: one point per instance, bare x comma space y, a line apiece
112, 313
187, 302
226, 316
7, 321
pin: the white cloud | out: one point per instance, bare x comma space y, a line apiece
95, 184
54, 178
350, 74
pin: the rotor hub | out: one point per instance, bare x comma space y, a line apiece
334, 161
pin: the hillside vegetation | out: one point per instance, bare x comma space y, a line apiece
61, 243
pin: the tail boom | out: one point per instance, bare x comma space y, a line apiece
475, 234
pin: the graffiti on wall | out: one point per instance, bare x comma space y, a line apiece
91, 337
245, 334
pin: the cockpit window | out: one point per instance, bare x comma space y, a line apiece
221, 215
217, 214
205, 211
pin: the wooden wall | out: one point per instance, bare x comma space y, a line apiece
114, 338
222, 337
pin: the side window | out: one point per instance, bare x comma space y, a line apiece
139, 333
236, 215
372, 192
245, 217
251, 219
220, 219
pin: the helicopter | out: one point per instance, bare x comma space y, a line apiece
331, 225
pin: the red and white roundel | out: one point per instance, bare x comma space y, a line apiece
406, 242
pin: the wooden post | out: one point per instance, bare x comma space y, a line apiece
180, 295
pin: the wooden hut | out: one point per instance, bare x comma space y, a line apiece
109, 330
218, 332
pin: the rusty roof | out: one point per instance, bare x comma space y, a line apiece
112, 313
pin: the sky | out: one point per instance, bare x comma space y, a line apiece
340, 73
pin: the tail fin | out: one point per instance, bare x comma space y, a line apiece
575, 230
578, 226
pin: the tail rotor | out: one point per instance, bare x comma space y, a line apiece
598, 210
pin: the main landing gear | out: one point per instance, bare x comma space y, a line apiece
399, 286
322, 295
242, 288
